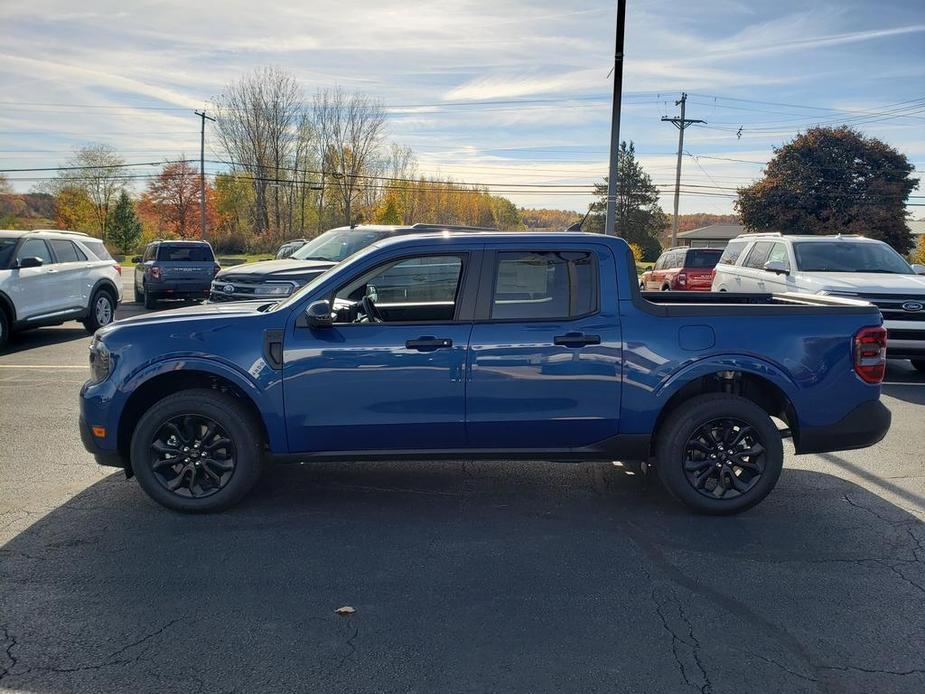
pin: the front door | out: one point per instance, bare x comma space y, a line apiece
390, 373
34, 286
545, 352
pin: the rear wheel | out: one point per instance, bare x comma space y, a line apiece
719, 453
102, 311
150, 301
139, 296
919, 365
197, 451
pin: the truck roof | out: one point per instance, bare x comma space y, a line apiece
522, 237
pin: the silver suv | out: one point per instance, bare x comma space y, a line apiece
48, 277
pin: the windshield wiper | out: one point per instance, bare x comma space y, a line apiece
317, 257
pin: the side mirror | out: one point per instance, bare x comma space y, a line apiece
136, 259
31, 261
918, 268
318, 314
777, 267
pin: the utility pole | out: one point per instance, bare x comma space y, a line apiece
610, 222
680, 123
202, 172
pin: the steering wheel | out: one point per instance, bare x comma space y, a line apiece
369, 308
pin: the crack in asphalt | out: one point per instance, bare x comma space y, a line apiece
7, 636
871, 671
691, 642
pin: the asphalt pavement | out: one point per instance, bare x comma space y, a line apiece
465, 577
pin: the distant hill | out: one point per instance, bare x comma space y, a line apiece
27, 210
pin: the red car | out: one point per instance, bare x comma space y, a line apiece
682, 269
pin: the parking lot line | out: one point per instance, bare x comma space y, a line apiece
42, 366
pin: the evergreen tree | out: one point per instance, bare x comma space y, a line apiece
123, 226
640, 218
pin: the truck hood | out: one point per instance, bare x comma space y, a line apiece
286, 269
204, 311
866, 283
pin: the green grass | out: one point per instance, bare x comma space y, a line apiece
228, 260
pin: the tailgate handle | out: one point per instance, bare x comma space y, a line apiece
576, 340
428, 344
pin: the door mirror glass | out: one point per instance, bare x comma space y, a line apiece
918, 268
136, 259
318, 314
777, 267
31, 261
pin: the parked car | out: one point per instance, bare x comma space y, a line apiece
48, 277
174, 270
849, 266
290, 247
280, 278
485, 346
681, 269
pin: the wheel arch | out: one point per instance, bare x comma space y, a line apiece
147, 392
757, 386
108, 285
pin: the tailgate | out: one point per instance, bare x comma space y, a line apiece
192, 272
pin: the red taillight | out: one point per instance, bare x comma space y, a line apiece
870, 354
155, 272
118, 268
681, 279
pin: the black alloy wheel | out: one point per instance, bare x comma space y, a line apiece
724, 458
192, 456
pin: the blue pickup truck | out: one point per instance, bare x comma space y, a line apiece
485, 346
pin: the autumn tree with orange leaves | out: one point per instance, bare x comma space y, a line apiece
171, 201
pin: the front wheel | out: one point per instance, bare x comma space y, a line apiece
197, 451
719, 453
919, 365
101, 311
4, 329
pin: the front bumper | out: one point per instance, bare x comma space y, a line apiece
864, 426
102, 456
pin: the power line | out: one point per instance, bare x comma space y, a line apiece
681, 124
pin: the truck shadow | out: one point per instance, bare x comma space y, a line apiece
475, 576
904, 383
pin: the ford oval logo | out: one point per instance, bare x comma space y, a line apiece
228, 289
913, 306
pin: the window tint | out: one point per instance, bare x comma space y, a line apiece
758, 255
701, 259
34, 248
543, 285
97, 248
733, 251
65, 251
199, 253
778, 254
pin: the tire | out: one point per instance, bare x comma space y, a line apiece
4, 329
149, 300
666, 288
681, 454
101, 311
197, 492
139, 297
918, 365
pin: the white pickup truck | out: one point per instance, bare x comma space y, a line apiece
850, 266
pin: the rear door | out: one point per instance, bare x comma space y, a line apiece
752, 270
545, 354
34, 287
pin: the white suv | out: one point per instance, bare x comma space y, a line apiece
851, 266
48, 277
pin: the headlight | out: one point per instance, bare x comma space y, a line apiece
100, 361
275, 289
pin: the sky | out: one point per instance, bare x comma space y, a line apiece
511, 93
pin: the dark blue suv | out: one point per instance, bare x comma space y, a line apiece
174, 270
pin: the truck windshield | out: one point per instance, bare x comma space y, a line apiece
338, 244
849, 256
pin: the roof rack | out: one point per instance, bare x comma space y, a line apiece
58, 231
451, 227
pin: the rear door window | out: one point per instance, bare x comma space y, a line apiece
178, 254
544, 285
66, 252
758, 256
